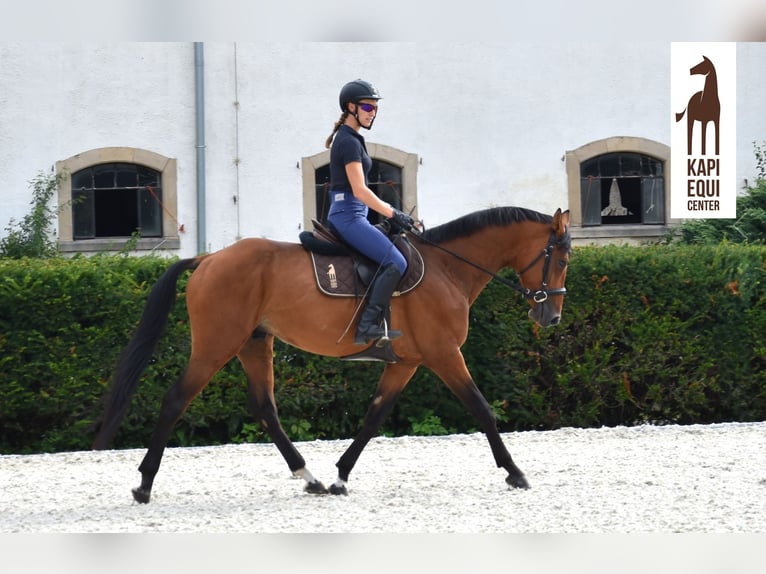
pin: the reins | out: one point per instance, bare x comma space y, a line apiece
538, 296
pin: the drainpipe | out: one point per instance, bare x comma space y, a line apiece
199, 110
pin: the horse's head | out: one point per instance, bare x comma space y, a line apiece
703, 68
544, 278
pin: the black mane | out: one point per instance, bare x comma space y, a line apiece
473, 222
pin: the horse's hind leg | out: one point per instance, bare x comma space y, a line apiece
257, 360
689, 129
452, 370
195, 377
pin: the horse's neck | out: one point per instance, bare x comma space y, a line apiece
710, 90
493, 249
490, 247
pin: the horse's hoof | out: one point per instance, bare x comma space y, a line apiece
142, 496
335, 489
517, 481
315, 487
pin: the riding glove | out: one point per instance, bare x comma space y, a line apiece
403, 220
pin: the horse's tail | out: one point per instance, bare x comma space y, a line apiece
679, 116
137, 354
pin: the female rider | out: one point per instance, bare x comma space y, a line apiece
351, 199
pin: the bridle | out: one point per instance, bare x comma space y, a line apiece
538, 296
542, 294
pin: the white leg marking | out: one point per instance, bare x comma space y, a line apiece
305, 475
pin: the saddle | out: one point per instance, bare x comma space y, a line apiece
341, 271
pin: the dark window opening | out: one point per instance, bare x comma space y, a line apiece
116, 200
622, 188
384, 179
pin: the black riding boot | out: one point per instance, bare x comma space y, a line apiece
369, 327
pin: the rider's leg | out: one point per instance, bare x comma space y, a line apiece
370, 326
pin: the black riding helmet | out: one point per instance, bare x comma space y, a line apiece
355, 91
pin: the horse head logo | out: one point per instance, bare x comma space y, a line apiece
704, 106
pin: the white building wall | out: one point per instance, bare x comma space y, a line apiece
61, 99
490, 122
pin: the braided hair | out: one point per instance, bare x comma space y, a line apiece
340, 122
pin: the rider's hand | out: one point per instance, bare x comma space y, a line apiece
403, 220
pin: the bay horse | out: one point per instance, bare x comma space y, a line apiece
241, 297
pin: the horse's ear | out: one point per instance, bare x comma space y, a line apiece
560, 222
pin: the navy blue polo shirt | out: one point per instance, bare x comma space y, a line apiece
348, 146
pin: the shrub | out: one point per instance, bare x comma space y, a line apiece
654, 334
750, 224
31, 237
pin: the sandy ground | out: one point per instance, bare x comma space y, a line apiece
670, 479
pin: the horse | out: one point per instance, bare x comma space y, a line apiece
704, 106
242, 297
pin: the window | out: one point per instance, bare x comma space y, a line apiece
109, 193
393, 177
620, 188
617, 190
116, 200
385, 181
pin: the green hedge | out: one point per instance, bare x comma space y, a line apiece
653, 334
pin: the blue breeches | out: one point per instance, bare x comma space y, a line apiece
349, 219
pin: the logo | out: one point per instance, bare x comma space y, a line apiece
703, 107
332, 277
703, 130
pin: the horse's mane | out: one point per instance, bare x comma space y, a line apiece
473, 222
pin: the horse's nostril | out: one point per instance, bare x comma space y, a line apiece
555, 321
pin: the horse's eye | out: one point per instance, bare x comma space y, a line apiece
562, 263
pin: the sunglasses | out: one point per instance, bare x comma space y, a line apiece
368, 107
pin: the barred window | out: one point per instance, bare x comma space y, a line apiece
622, 187
393, 177
116, 200
385, 180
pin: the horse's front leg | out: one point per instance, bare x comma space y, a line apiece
452, 370
256, 357
716, 123
703, 135
395, 377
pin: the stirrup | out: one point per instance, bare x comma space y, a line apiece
386, 338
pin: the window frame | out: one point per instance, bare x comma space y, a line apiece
630, 232
167, 167
406, 162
